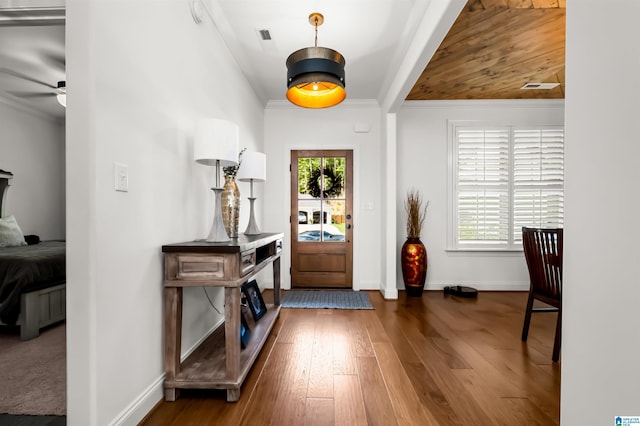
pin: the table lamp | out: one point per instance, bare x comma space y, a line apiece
253, 168
216, 144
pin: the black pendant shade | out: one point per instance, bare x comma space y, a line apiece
315, 75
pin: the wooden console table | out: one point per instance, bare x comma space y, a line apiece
219, 362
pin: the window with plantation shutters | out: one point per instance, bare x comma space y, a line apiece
504, 178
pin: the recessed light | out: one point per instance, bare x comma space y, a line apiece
539, 86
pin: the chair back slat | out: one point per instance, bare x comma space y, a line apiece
543, 252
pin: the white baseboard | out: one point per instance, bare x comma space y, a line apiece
389, 293
368, 285
145, 402
139, 408
376, 286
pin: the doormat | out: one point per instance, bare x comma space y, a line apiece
326, 299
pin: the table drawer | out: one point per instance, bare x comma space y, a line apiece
194, 267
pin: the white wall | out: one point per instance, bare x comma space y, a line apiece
422, 164
32, 148
290, 128
600, 340
141, 73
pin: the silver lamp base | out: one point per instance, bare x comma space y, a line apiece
252, 228
218, 234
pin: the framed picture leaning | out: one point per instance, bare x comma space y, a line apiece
254, 299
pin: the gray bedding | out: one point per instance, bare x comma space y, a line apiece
28, 268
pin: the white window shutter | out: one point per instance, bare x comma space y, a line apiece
538, 179
483, 185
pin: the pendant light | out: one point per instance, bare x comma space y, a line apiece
61, 96
315, 75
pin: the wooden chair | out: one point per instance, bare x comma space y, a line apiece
543, 251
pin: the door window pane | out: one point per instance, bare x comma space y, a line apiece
333, 177
321, 199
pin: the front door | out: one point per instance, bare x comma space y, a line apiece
321, 219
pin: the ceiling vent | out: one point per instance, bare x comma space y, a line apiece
264, 35
539, 86
264, 38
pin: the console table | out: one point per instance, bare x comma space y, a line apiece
219, 362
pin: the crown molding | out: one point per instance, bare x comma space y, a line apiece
484, 103
32, 12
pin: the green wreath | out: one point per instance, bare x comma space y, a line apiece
333, 183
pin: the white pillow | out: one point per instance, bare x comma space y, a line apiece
10, 233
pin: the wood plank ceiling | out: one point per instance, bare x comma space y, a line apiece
494, 48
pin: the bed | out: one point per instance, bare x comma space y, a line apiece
32, 277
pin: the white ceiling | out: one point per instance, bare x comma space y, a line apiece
371, 34
375, 36
31, 64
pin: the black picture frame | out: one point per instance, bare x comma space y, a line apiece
254, 299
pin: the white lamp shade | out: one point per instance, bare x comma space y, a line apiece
253, 166
216, 139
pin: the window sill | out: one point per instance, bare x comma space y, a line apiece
485, 252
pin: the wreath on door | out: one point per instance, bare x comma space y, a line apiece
332, 183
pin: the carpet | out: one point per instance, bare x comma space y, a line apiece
329, 299
33, 373
15, 420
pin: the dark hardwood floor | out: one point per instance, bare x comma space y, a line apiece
435, 360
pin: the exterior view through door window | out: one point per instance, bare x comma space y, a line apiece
321, 199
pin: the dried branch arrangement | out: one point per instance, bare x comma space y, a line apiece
415, 213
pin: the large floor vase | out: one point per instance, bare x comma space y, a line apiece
414, 266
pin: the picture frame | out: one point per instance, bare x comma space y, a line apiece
254, 299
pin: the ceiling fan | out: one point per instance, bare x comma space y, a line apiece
59, 90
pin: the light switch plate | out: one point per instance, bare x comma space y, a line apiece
121, 176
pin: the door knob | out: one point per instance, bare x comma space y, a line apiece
348, 226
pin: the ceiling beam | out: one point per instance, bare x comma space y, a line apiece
437, 20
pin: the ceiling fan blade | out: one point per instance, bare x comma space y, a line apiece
25, 77
32, 94
57, 61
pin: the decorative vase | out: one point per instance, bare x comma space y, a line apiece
413, 259
230, 206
